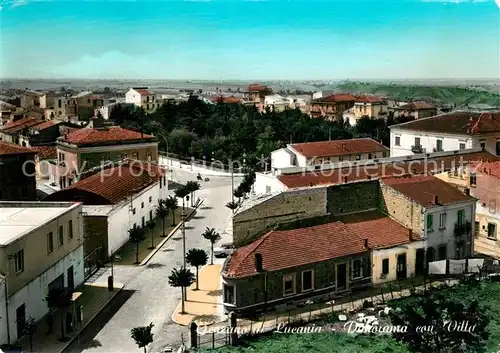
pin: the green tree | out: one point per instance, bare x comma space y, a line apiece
192, 187
182, 192
182, 278
232, 205
162, 213
171, 204
151, 224
197, 258
211, 235
136, 236
61, 299
142, 335
239, 194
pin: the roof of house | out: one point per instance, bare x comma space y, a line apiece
34, 93
418, 105
45, 125
281, 249
368, 99
337, 98
10, 148
143, 91
489, 168
222, 99
117, 184
423, 189
18, 125
46, 152
363, 172
338, 147
255, 87
110, 134
81, 94
463, 123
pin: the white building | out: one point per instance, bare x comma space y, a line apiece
41, 247
447, 132
107, 109
142, 97
322, 94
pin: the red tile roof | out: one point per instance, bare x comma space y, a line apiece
292, 248
228, 100
255, 87
117, 184
18, 125
338, 147
368, 99
359, 173
489, 168
10, 148
45, 125
144, 92
463, 123
338, 98
423, 188
418, 105
111, 134
46, 152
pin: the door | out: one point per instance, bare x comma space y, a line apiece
20, 320
401, 267
341, 277
419, 261
71, 278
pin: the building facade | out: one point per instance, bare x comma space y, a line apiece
143, 98
417, 110
17, 173
331, 107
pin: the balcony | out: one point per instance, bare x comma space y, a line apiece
436, 149
462, 229
417, 149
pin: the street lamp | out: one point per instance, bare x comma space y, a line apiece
183, 220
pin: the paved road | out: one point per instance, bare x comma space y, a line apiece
148, 297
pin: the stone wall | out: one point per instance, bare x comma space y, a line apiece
401, 208
285, 207
353, 197
95, 230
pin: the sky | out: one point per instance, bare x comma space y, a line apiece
240, 40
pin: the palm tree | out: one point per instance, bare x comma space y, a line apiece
232, 205
142, 335
181, 278
172, 205
151, 224
197, 258
136, 235
182, 193
60, 298
192, 187
211, 235
162, 212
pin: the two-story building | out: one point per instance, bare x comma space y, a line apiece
417, 110
34, 99
143, 98
17, 173
365, 105
86, 148
83, 104
11, 131
114, 200
447, 132
331, 107
41, 247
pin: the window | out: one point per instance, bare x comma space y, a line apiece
119, 157
369, 156
149, 156
341, 158
439, 145
398, 141
70, 229
460, 217
61, 235
358, 157
483, 145
150, 215
135, 155
19, 261
307, 280
430, 221
133, 210
493, 206
150, 199
165, 180
143, 221
442, 252
417, 141
492, 231
289, 285
385, 266
229, 297
161, 182
356, 269
477, 227
50, 242
472, 179
442, 221
461, 146
142, 204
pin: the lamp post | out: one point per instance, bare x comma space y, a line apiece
183, 219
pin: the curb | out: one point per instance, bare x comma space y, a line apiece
160, 245
92, 318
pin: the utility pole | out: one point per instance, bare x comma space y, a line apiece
232, 182
183, 219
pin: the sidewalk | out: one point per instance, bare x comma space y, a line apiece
204, 305
94, 297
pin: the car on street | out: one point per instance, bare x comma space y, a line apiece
224, 250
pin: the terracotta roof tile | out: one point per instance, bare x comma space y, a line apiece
338, 97
338, 147
368, 99
46, 152
489, 168
422, 166
10, 148
144, 92
418, 105
255, 87
228, 100
423, 188
111, 134
45, 125
463, 123
18, 125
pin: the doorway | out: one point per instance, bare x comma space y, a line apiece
419, 261
341, 277
71, 278
401, 267
20, 320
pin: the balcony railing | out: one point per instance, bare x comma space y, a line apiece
462, 229
417, 149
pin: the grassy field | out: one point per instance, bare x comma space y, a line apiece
487, 293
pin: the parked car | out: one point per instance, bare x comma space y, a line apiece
224, 250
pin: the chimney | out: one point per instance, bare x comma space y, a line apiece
410, 234
435, 200
366, 243
345, 180
467, 191
258, 263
